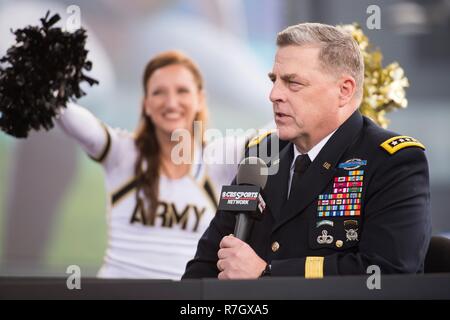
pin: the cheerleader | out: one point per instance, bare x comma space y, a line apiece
157, 208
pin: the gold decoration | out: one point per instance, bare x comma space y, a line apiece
384, 88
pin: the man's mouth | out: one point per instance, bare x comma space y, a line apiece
280, 115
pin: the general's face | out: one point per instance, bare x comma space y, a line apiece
173, 99
305, 97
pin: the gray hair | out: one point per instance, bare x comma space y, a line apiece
339, 52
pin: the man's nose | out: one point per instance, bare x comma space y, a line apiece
277, 94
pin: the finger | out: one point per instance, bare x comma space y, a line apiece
221, 276
218, 265
230, 242
223, 253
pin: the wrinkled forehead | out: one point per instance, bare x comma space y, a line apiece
290, 59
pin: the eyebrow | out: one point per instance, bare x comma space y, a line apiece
287, 77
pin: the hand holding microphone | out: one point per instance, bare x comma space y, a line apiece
237, 260
245, 199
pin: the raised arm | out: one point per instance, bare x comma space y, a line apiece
80, 124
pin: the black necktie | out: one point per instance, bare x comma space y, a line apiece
301, 164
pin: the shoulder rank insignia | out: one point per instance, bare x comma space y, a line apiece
394, 144
257, 140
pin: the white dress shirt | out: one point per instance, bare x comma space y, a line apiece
312, 154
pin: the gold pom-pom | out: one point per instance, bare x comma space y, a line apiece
384, 88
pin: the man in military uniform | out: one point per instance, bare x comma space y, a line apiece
347, 194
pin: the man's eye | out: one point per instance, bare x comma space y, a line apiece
156, 92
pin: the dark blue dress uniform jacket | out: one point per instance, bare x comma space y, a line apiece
363, 201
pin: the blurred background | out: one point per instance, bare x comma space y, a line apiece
52, 198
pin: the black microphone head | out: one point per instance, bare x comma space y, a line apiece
253, 171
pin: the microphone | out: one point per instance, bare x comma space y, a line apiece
245, 198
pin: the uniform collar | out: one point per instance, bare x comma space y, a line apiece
312, 154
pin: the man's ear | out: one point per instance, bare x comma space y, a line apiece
347, 89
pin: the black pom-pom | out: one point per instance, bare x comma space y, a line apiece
40, 74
